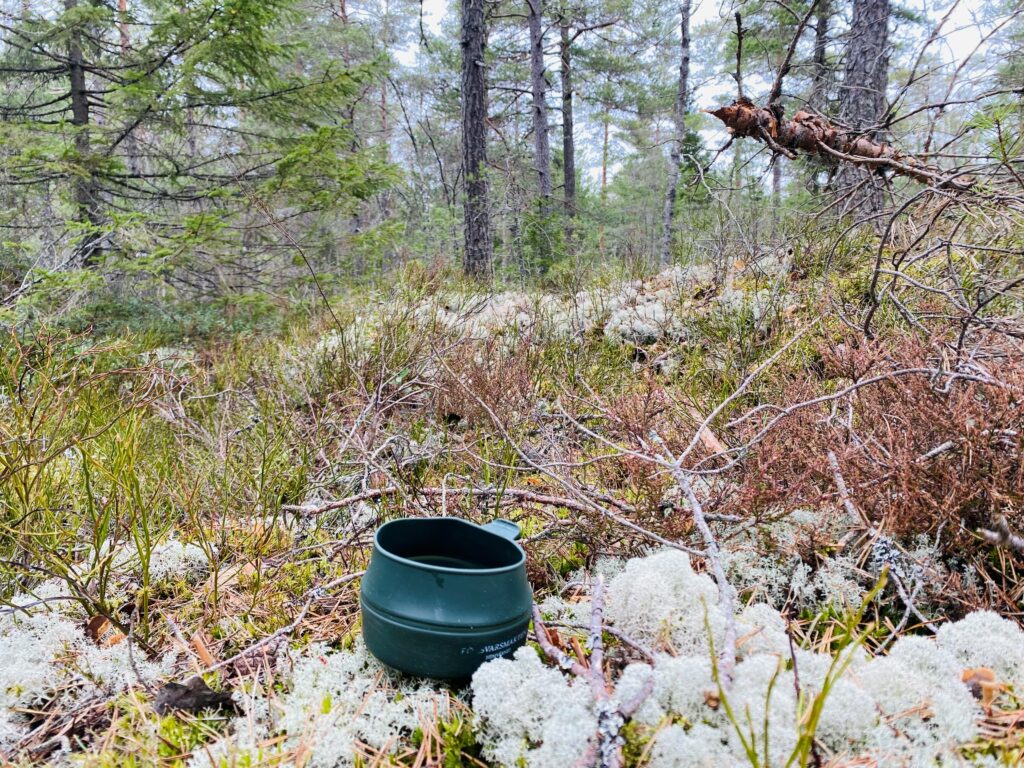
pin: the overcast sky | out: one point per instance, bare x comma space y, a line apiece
961, 35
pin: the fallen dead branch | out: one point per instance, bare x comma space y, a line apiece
1001, 536
726, 591
814, 135
520, 494
311, 597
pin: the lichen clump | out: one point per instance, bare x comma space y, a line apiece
48, 662
332, 700
909, 707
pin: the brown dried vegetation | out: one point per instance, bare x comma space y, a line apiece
920, 452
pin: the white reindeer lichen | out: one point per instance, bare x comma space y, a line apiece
335, 698
906, 708
531, 712
661, 597
699, 747
986, 639
45, 656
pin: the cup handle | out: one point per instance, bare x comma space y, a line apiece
504, 528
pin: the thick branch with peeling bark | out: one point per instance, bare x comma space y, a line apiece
814, 135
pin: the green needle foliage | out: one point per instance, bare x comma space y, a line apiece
163, 146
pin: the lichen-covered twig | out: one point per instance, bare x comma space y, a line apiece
726, 592
622, 637
557, 655
605, 750
1000, 535
856, 518
597, 639
521, 494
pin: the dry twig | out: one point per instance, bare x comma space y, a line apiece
605, 750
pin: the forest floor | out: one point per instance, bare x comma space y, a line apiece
203, 514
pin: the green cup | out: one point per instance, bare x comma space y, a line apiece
442, 595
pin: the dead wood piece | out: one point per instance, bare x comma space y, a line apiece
1001, 536
102, 631
814, 135
194, 696
58, 726
392, 490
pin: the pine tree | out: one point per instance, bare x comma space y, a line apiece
679, 132
478, 249
862, 98
176, 128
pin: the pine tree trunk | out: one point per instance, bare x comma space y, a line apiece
679, 135
478, 246
776, 193
85, 194
819, 85
568, 139
862, 103
131, 146
538, 88
606, 119
821, 80
385, 125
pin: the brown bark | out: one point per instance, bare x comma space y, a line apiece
862, 104
568, 139
606, 119
541, 139
866, 73
385, 123
478, 247
538, 88
819, 86
814, 135
131, 147
776, 189
122, 26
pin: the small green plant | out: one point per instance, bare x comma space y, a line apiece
77, 495
809, 706
458, 743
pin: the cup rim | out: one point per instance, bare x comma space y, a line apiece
378, 547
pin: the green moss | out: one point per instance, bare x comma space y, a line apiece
459, 743
637, 741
